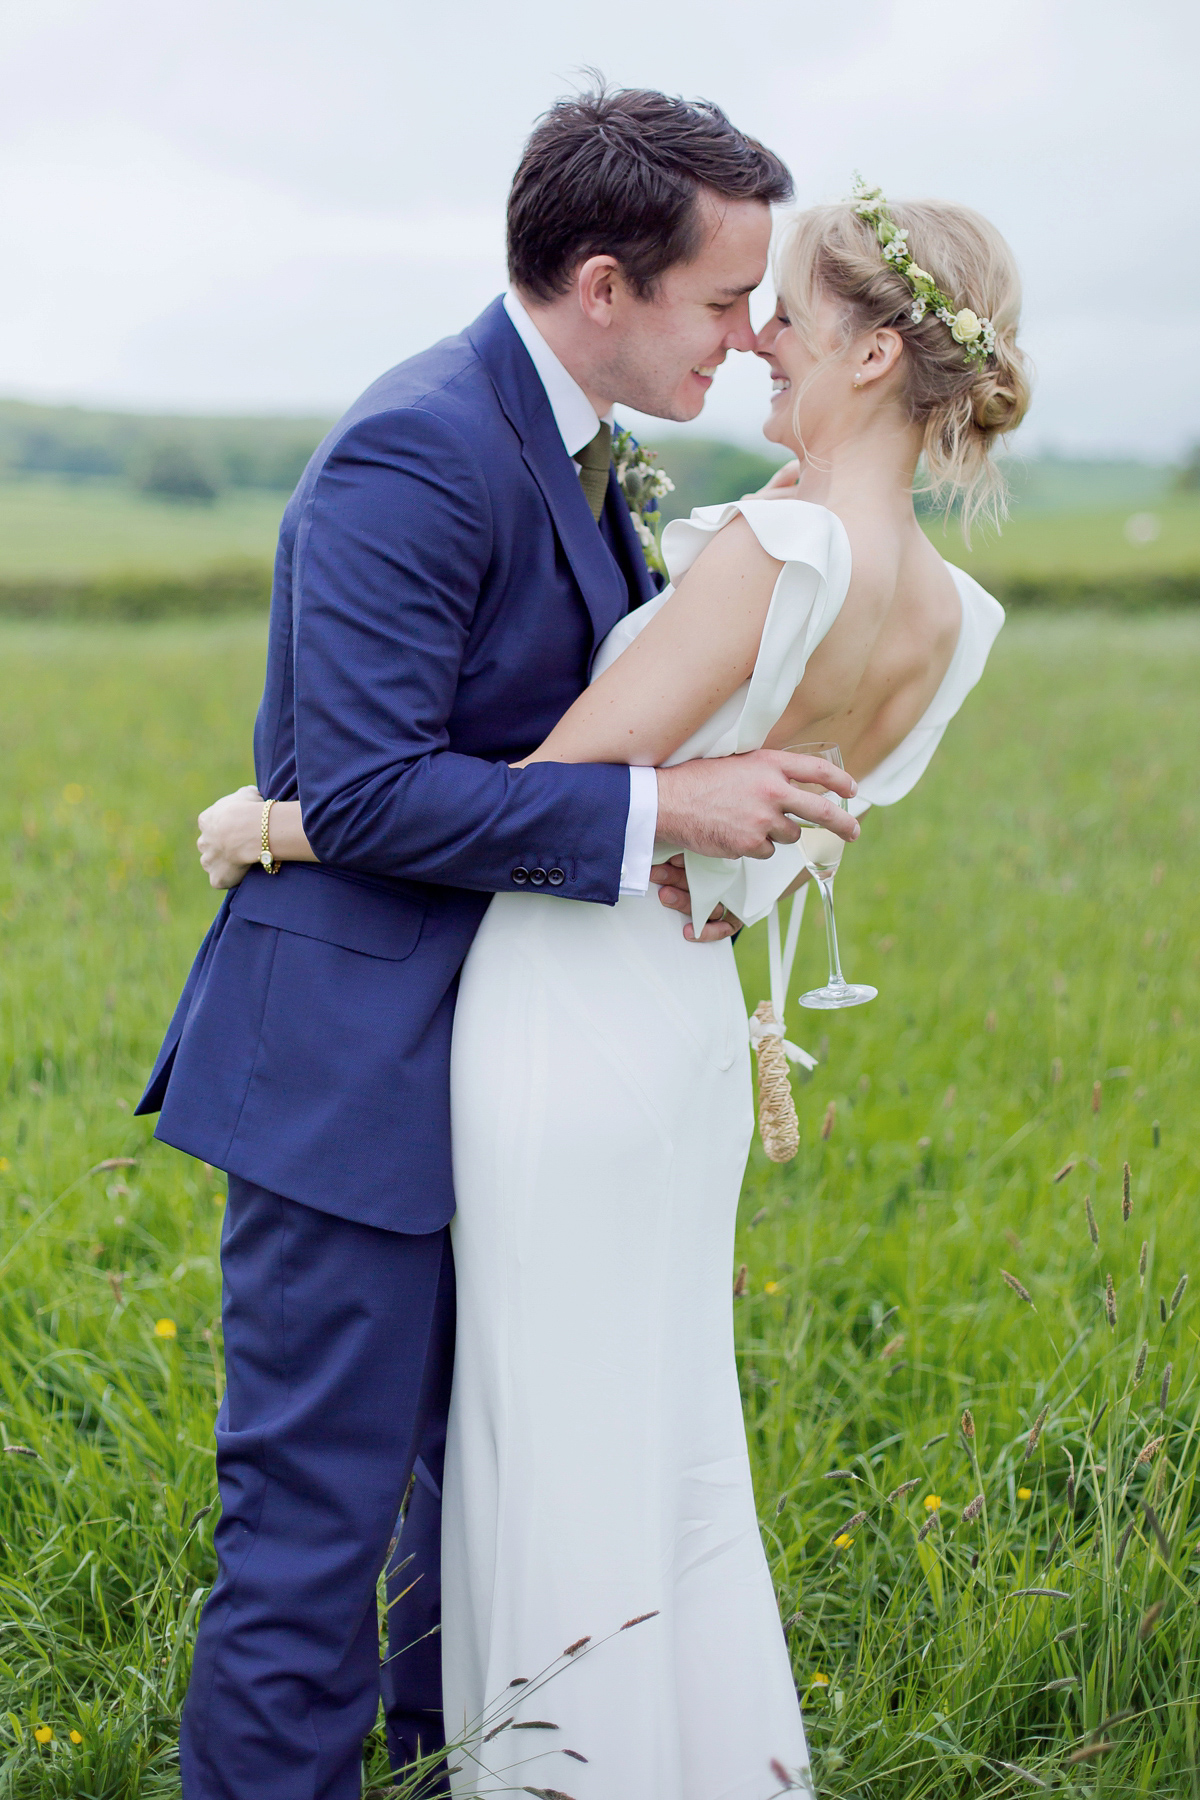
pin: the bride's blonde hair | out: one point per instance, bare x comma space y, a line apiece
829, 251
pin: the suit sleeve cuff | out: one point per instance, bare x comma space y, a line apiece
640, 828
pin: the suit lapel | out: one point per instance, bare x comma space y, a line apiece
527, 409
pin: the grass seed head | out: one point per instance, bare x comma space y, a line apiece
740, 1282
968, 1423
1110, 1302
927, 1527
1142, 1263
1032, 1441
1177, 1296
1093, 1229
1165, 1390
905, 1488
1139, 1367
1126, 1195
1123, 1546
828, 1120
1149, 1451
1155, 1524
1018, 1288
1150, 1619
1096, 1090
972, 1510
1088, 1751
1162, 1310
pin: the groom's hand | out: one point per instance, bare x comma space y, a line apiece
745, 805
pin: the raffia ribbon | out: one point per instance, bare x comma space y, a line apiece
778, 1125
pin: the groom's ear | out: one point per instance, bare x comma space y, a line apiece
599, 286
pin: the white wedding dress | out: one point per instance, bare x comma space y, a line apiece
596, 1466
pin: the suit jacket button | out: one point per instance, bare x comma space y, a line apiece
555, 877
537, 877
520, 876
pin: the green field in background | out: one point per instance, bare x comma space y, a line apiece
1028, 916
1083, 542
55, 527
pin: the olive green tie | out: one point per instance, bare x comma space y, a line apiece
595, 460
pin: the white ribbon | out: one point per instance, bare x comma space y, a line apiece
780, 959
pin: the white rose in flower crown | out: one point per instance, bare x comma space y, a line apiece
965, 328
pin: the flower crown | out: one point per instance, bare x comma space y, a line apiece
977, 336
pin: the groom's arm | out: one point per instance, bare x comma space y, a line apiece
392, 554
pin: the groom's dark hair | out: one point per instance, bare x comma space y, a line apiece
617, 171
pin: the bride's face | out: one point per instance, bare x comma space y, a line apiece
793, 362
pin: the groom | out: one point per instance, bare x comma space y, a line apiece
455, 552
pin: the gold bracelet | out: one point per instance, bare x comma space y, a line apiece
266, 859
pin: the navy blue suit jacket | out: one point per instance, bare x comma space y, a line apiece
440, 589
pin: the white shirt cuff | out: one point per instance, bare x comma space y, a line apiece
640, 829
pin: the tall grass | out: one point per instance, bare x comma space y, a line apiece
1028, 918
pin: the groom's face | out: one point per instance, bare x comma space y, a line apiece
665, 350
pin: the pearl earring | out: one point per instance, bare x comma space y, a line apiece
858, 381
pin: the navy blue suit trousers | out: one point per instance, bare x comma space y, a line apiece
338, 1346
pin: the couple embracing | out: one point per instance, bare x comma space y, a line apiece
470, 1042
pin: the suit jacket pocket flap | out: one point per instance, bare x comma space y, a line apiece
312, 903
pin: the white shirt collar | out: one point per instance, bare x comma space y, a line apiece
574, 413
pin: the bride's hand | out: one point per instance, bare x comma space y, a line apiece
782, 485
230, 840
670, 878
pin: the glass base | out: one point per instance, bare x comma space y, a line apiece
827, 999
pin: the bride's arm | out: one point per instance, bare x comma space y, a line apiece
230, 840
697, 651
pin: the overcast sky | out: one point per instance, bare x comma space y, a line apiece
260, 204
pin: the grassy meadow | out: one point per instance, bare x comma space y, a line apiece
1067, 520
1028, 916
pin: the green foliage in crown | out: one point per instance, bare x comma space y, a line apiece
977, 336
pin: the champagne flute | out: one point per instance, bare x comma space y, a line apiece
822, 853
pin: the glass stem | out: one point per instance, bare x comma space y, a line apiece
836, 978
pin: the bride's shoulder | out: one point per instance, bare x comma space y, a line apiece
784, 530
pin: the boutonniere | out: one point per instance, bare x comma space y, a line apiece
643, 484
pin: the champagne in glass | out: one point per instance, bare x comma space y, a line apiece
822, 854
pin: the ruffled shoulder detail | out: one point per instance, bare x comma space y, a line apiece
788, 530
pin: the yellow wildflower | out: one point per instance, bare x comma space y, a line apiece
1024, 1493
819, 1680
771, 1287
77, 1737
843, 1540
165, 1328
932, 1502
3, 1163
44, 1735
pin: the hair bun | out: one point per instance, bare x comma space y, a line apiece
995, 406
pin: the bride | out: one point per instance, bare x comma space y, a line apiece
596, 1467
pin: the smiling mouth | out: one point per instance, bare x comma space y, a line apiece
779, 384
708, 374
